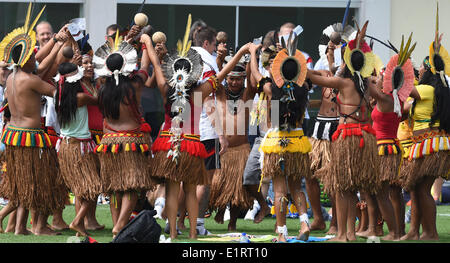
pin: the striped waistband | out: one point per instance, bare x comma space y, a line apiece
193, 137
122, 134
388, 141
25, 137
322, 118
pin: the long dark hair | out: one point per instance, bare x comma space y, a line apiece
291, 112
66, 96
111, 95
441, 109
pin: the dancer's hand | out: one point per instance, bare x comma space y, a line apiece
223, 144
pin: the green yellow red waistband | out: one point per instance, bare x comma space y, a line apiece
25, 137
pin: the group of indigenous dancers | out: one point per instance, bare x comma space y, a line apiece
379, 130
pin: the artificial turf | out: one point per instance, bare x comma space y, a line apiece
264, 228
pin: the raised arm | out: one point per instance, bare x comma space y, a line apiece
330, 82
207, 88
44, 68
257, 76
157, 71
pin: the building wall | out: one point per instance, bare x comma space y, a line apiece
419, 16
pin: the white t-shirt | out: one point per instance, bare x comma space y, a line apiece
207, 131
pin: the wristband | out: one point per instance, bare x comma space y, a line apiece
214, 82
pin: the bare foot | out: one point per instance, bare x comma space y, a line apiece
391, 237
369, 232
351, 236
303, 234
24, 232
426, 236
338, 239
332, 230
60, 226
46, 232
265, 211
410, 236
79, 229
281, 238
95, 228
9, 229
318, 225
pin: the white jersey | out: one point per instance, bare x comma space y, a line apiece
207, 131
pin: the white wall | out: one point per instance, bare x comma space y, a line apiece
419, 17
99, 15
378, 13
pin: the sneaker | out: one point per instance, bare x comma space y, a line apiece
202, 231
167, 229
158, 210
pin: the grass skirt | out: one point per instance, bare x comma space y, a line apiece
190, 165
354, 162
285, 153
227, 185
124, 162
429, 156
320, 154
390, 154
33, 180
79, 168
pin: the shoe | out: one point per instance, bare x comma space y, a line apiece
167, 230
202, 231
251, 213
158, 212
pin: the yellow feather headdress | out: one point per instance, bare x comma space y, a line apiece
438, 51
22, 36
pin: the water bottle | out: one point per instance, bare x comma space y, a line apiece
244, 238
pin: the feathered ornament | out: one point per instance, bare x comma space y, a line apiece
115, 46
22, 36
71, 77
437, 51
289, 67
399, 75
182, 70
337, 32
358, 56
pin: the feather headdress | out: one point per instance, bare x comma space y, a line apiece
115, 46
25, 37
289, 66
182, 70
345, 31
437, 51
399, 75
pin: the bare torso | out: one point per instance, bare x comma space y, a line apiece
234, 125
127, 119
24, 98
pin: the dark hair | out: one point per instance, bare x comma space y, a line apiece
356, 81
113, 27
205, 33
111, 96
67, 106
114, 62
291, 112
441, 111
16, 53
194, 28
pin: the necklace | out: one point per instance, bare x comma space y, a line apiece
233, 100
90, 89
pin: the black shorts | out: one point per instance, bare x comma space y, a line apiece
212, 162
